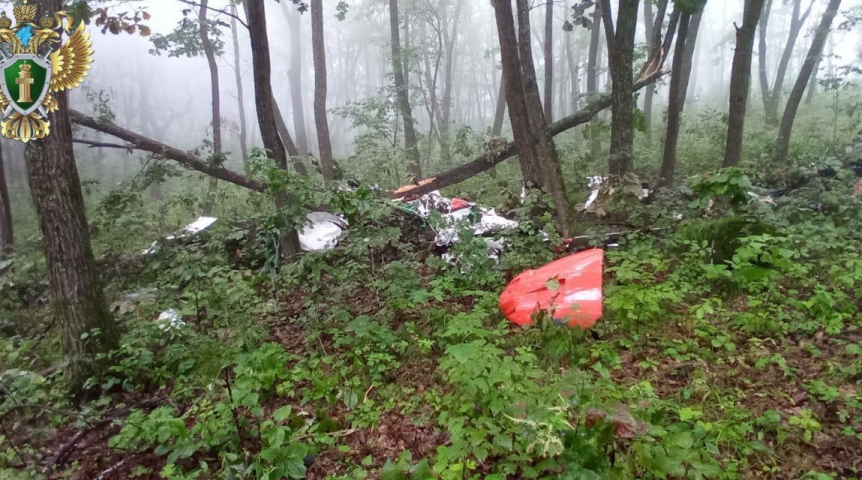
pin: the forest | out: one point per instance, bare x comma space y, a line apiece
433, 239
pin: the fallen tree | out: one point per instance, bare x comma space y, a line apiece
488, 160
186, 159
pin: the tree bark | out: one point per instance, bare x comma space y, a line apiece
78, 301
675, 103
802, 80
740, 81
6, 232
620, 159
216, 157
414, 166
688, 55
549, 62
319, 47
593, 77
488, 160
243, 126
294, 76
272, 142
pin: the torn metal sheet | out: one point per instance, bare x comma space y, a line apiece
321, 232
569, 288
199, 225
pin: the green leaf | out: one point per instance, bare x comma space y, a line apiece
391, 471
282, 413
688, 413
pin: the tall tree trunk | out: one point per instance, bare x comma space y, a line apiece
798, 91
240, 98
319, 47
740, 81
593, 77
548, 52
216, 157
676, 101
796, 24
410, 145
294, 76
264, 103
450, 41
6, 232
649, 18
550, 171
688, 55
620, 159
78, 301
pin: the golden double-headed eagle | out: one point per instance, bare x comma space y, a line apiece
34, 63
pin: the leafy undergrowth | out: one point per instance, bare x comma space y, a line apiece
729, 348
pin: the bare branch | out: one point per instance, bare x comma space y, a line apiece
221, 11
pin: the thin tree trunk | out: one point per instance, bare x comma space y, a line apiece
319, 47
676, 101
620, 159
688, 55
414, 165
812, 85
500, 111
740, 81
243, 126
264, 103
6, 233
78, 301
216, 157
796, 23
762, 55
593, 77
450, 41
802, 80
549, 62
294, 76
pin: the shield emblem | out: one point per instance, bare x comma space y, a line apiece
25, 81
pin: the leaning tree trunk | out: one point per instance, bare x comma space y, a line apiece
319, 47
650, 93
548, 54
796, 23
414, 166
6, 232
593, 77
216, 106
676, 102
263, 100
294, 76
240, 97
802, 80
740, 81
620, 159
78, 301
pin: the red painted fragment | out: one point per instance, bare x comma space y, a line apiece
459, 204
575, 296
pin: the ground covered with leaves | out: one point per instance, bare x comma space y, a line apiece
730, 348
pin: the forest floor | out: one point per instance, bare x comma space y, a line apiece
380, 360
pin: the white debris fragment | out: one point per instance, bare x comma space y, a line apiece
170, 320
321, 232
199, 225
